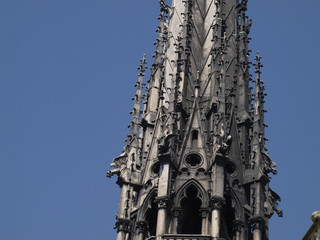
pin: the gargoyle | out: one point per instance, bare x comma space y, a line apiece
270, 166
119, 164
271, 205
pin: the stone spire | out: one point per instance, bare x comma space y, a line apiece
137, 99
199, 168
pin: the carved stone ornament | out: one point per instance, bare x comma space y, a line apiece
315, 216
123, 225
119, 164
257, 223
176, 212
217, 203
204, 213
162, 203
141, 226
238, 226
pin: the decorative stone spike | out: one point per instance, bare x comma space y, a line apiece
259, 106
136, 112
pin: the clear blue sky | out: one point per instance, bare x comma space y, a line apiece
67, 70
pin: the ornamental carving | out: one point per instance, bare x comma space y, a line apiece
216, 203
123, 225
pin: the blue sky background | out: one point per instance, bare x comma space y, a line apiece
67, 70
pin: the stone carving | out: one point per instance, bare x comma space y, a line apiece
119, 164
271, 205
217, 203
123, 225
257, 223
238, 226
142, 226
315, 216
162, 203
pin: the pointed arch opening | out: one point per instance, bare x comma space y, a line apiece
152, 217
190, 219
226, 225
231, 213
148, 213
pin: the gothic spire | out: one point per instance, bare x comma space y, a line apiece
201, 148
162, 34
258, 124
155, 87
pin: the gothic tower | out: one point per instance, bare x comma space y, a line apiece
195, 165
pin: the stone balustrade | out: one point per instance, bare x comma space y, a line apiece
185, 237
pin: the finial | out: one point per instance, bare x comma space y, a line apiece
258, 90
243, 5
162, 36
163, 6
315, 216
142, 68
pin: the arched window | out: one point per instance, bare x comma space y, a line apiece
227, 221
152, 217
190, 220
195, 135
194, 138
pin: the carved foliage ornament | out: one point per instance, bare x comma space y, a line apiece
123, 225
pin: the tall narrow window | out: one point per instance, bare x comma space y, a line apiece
194, 138
190, 221
152, 217
227, 222
195, 135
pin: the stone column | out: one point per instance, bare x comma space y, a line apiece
257, 225
123, 199
238, 229
141, 229
216, 204
257, 222
205, 221
162, 198
162, 217
257, 235
123, 227
217, 200
176, 214
121, 235
123, 222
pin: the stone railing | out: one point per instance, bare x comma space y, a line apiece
185, 237
152, 238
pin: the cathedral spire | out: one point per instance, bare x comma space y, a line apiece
196, 166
